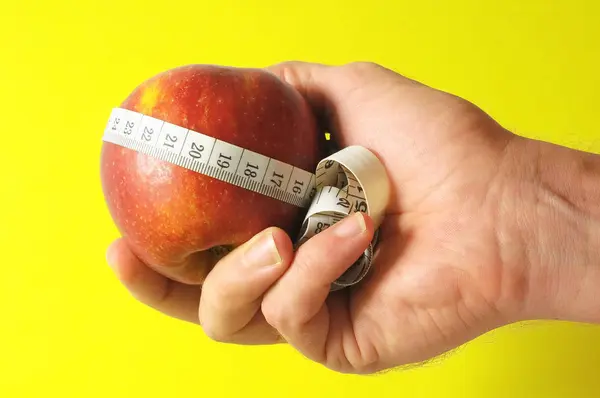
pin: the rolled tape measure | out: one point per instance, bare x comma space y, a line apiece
345, 182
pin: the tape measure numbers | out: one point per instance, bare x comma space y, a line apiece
345, 182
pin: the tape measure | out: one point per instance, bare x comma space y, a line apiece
345, 182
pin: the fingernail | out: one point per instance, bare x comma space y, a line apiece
350, 226
262, 252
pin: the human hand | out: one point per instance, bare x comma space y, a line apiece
441, 275
448, 266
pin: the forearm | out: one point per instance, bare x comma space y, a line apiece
557, 197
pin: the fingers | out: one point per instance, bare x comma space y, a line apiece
188, 272
233, 290
307, 78
151, 288
312, 82
327, 86
335, 92
295, 305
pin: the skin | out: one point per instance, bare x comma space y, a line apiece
484, 228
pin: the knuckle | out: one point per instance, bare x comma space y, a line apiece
206, 320
159, 298
365, 72
308, 261
463, 115
275, 314
219, 294
216, 335
288, 71
270, 312
212, 332
358, 366
362, 67
218, 290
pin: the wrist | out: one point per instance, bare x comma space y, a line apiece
554, 193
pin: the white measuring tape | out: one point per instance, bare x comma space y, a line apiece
345, 182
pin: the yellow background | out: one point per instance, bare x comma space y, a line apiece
68, 327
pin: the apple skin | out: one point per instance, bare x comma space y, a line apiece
178, 221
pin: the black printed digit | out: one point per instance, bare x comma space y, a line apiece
223, 161
297, 188
196, 151
116, 123
170, 140
147, 134
128, 127
277, 179
344, 203
360, 205
250, 170
321, 227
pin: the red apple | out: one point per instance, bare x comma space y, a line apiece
178, 221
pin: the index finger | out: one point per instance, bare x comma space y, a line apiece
298, 306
